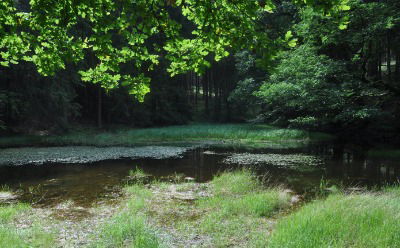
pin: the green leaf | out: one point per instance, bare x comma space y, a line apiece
292, 43
288, 35
4, 63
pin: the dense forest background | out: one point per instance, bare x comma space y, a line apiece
316, 72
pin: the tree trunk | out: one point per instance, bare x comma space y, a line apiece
389, 58
197, 82
397, 68
206, 93
380, 67
372, 62
99, 108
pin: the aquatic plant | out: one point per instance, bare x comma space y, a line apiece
84, 154
289, 161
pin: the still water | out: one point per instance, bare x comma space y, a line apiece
88, 184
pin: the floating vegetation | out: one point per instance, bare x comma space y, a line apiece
288, 161
85, 154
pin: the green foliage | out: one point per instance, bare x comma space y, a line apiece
365, 220
244, 103
114, 35
313, 91
304, 88
364, 23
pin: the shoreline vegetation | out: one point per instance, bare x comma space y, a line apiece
246, 134
235, 209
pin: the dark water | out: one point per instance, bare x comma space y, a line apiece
89, 184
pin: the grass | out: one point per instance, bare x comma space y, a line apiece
384, 153
235, 183
356, 220
240, 193
129, 228
126, 230
238, 133
236, 210
10, 236
231, 210
235, 213
138, 176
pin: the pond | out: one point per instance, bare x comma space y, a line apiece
87, 182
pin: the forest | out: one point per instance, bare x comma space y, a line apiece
199, 123
334, 70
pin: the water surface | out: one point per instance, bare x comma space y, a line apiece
300, 169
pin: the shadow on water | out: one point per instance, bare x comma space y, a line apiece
88, 184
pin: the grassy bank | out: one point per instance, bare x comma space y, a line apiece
358, 220
236, 210
129, 228
233, 210
12, 236
237, 133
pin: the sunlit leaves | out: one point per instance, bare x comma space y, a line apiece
112, 36
292, 42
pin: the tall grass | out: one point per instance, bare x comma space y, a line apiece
359, 220
195, 132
